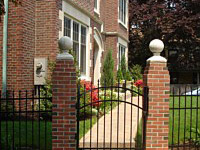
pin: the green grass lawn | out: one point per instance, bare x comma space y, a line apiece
26, 134
183, 120
86, 124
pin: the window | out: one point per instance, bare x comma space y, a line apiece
96, 6
122, 11
77, 32
122, 50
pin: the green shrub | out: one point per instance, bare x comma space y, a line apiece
107, 77
136, 72
128, 75
119, 74
123, 67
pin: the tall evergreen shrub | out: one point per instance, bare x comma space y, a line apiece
123, 67
107, 77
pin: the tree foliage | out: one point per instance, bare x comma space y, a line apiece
107, 77
176, 22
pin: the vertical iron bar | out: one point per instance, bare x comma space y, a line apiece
138, 113
179, 115
91, 102
131, 114
26, 119
13, 101
111, 115
145, 112
125, 116
84, 116
98, 119
173, 121
45, 125
104, 114
185, 117
191, 116
7, 134
20, 119
0, 120
118, 115
78, 118
32, 118
39, 96
197, 114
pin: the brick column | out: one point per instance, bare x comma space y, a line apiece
64, 102
156, 77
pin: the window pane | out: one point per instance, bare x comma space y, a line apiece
83, 35
124, 13
67, 27
83, 59
95, 4
76, 51
122, 50
75, 31
120, 9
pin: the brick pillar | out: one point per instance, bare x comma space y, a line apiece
64, 102
156, 77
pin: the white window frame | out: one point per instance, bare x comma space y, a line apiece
79, 41
123, 20
96, 9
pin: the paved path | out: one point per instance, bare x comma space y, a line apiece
116, 129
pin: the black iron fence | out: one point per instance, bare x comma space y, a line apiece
111, 117
25, 120
185, 119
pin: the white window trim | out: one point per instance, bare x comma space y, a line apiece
125, 25
97, 10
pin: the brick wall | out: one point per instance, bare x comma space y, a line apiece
156, 77
64, 102
47, 28
86, 4
21, 45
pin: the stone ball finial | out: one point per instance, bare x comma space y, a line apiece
156, 46
65, 44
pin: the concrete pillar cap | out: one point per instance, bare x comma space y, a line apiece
156, 46
65, 44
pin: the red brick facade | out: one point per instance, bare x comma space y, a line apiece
21, 46
156, 77
33, 32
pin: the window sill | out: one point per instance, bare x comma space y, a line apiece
84, 77
124, 25
96, 12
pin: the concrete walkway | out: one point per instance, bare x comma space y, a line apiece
117, 132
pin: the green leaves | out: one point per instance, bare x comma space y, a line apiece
107, 77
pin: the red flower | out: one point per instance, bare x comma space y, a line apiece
139, 83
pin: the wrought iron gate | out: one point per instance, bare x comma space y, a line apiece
111, 117
184, 123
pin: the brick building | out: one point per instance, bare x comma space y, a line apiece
34, 27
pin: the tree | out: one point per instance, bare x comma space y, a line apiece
107, 77
2, 10
176, 22
123, 67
